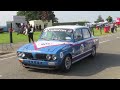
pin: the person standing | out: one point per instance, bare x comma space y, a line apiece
30, 33
112, 28
115, 27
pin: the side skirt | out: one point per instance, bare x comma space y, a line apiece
81, 58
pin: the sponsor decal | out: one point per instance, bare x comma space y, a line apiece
59, 29
32, 51
82, 48
61, 55
73, 50
42, 44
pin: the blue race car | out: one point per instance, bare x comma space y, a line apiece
58, 48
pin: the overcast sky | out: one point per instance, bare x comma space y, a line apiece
66, 16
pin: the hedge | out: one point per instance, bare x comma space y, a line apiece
70, 23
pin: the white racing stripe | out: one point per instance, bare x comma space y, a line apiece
7, 58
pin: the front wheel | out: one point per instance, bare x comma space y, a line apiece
66, 64
93, 53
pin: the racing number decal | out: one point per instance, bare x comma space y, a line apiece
89, 45
82, 48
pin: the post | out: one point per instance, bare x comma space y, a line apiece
92, 29
11, 40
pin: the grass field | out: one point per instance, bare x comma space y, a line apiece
5, 37
98, 33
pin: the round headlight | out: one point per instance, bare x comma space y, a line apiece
61, 54
48, 57
23, 55
19, 54
54, 57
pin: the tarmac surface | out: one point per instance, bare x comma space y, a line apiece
106, 64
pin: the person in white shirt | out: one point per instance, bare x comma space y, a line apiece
29, 31
112, 28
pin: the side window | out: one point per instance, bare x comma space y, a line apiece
78, 35
86, 33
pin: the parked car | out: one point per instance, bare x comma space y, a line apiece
58, 48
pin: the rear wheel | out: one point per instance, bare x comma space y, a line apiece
66, 64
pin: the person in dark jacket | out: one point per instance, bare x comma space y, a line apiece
30, 33
112, 28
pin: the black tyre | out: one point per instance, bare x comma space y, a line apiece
66, 64
93, 52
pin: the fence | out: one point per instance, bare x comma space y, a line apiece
70, 23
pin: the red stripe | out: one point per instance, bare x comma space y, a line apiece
35, 47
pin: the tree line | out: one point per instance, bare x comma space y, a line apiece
49, 15
100, 19
38, 15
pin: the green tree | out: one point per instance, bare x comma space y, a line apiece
38, 15
109, 19
100, 19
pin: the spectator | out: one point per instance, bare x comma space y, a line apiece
25, 30
115, 27
100, 27
112, 28
30, 33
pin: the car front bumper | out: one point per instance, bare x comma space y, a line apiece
40, 64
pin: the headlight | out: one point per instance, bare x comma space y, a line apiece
20, 54
23, 55
48, 57
54, 57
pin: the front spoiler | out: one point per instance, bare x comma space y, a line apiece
41, 67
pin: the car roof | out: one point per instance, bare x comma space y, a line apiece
67, 27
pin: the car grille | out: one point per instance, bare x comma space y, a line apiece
41, 56
28, 56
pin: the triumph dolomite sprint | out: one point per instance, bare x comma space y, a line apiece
58, 48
